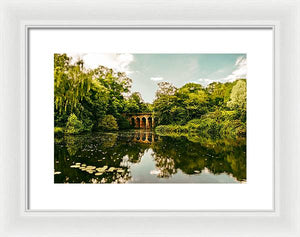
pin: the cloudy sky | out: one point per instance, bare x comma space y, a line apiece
146, 70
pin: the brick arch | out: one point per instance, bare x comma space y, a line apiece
137, 122
141, 120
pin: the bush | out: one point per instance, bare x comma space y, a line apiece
74, 125
108, 123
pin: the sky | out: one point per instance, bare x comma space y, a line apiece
146, 70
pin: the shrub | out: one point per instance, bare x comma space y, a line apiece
108, 123
74, 125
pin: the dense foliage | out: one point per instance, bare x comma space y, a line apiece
97, 99
74, 126
108, 123
219, 110
83, 98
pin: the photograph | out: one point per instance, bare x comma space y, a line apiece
122, 118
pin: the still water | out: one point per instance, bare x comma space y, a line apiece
141, 156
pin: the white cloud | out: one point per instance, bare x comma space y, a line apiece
240, 70
156, 78
118, 62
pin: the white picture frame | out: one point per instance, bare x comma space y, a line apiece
16, 18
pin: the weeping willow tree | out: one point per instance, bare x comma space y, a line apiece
89, 94
71, 83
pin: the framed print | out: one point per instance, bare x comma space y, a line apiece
160, 125
155, 115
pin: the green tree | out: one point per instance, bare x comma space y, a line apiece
238, 96
178, 106
165, 88
74, 126
71, 83
108, 123
216, 111
238, 99
164, 102
117, 84
135, 104
89, 94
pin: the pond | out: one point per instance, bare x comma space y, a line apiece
142, 156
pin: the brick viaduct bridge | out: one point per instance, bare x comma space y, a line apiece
141, 120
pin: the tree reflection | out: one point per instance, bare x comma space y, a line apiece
218, 156
165, 166
107, 157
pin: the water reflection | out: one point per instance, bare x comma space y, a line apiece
140, 156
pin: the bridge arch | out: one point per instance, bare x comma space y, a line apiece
141, 120
150, 122
132, 122
144, 122
137, 122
